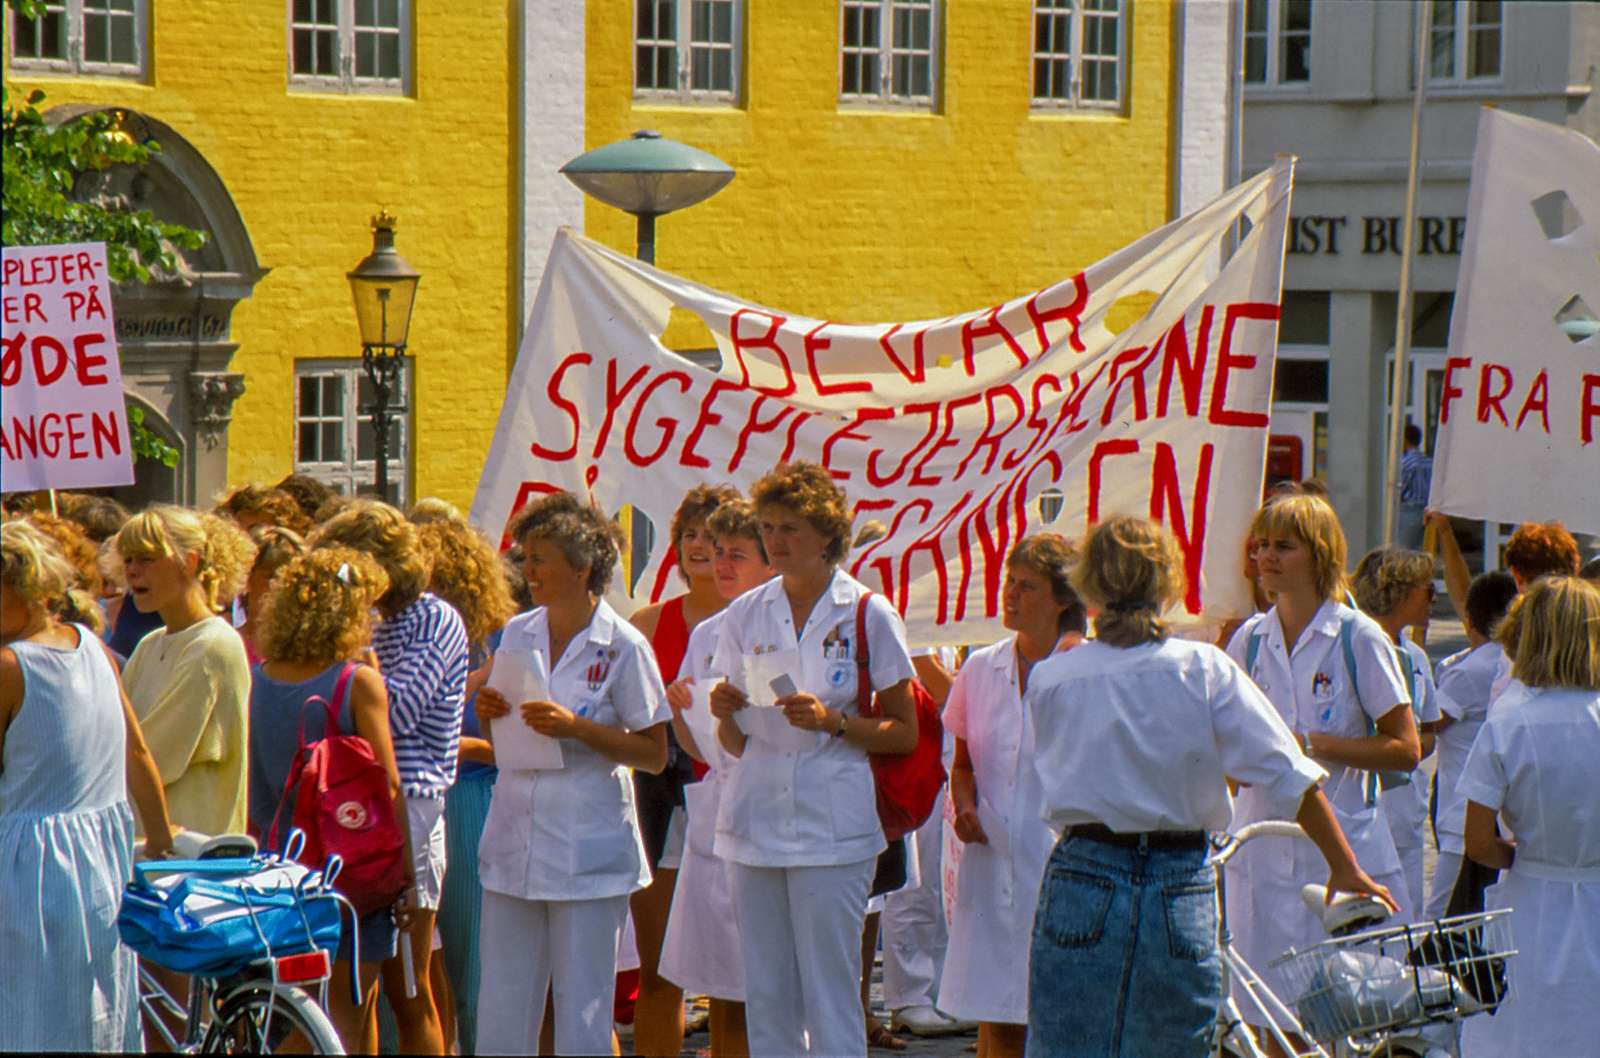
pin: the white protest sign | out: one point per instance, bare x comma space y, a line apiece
948, 431
63, 420
521, 676
1519, 418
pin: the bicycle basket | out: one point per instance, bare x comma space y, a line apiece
213, 918
1401, 976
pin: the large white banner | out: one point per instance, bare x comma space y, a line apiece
948, 431
1519, 418
63, 420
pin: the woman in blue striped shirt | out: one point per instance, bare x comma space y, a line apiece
421, 648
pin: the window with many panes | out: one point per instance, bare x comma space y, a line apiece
100, 37
1467, 38
687, 50
888, 52
334, 440
1277, 41
350, 45
1078, 53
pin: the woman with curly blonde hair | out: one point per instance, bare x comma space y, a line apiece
252, 505
70, 755
81, 605
276, 547
189, 680
422, 649
315, 623
469, 575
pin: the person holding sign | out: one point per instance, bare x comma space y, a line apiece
701, 950
997, 802
798, 823
561, 849
1135, 736
1333, 676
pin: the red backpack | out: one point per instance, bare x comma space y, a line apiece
908, 783
344, 807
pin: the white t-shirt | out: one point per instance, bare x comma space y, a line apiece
813, 807
573, 833
1465, 683
1144, 738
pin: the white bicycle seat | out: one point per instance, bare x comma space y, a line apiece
1348, 913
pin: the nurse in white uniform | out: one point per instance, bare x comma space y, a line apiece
1534, 765
798, 821
998, 803
701, 952
1394, 587
1466, 682
561, 848
1332, 675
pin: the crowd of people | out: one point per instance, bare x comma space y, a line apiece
709, 824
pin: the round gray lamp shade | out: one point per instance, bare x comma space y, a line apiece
648, 174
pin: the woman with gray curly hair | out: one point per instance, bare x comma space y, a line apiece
561, 849
1394, 587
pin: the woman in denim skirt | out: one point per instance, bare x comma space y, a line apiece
1134, 736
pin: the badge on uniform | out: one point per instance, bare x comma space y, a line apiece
1321, 686
836, 647
595, 675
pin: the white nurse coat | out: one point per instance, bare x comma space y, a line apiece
815, 807
1406, 806
1537, 763
701, 952
997, 885
573, 833
1312, 693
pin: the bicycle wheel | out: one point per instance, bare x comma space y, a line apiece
260, 1018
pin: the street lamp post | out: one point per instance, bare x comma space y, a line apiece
384, 287
648, 175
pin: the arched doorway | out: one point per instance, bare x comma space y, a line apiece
174, 333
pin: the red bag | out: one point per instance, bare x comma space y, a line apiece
344, 807
908, 783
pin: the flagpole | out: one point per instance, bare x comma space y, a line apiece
1408, 248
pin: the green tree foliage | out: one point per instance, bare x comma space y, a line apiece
42, 164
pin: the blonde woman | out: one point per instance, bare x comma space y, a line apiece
1135, 736
70, 753
189, 680
1332, 675
1395, 588
421, 648
312, 626
1533, 765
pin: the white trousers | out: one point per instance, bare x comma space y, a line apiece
522, 944
800, 931
913, 927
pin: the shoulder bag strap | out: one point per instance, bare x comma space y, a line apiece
331, 726
1252, 650
1347, 647
864, 703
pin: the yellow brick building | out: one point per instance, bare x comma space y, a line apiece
897, 159
412, 113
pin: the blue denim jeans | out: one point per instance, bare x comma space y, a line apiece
1125, 961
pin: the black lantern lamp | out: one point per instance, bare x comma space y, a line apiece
384, 287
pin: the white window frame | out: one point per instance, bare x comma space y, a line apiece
1461, 35
1076, 14
345, 80
350, 475
886, 51
1273, 38
74, 63
686, 46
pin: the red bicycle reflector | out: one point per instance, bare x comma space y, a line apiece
307, 966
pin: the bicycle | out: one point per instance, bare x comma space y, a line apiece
261, 1004
1365, 990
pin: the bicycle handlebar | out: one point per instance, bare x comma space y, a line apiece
1228, 844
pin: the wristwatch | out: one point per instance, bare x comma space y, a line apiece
838, 732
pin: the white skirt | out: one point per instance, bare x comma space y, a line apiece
701, 953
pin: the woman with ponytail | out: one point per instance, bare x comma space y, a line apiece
189, 680
1135, 735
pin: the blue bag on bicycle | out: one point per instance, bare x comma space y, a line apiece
213, 918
